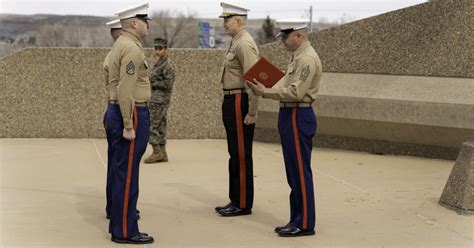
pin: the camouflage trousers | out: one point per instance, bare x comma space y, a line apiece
158, 123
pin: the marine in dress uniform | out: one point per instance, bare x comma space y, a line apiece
161, 80
239, 111
115, 32
128, 121
297, 124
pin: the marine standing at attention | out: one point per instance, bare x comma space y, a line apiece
239, 111
128, 120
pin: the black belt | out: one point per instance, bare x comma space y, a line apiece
137, 104
234, 91
294, 104
141, 104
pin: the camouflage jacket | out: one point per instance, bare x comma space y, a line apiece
161, 80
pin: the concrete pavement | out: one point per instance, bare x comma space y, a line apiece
52, 195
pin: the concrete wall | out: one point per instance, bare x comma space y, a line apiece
426, 111
430, 39
419, 116
59, 92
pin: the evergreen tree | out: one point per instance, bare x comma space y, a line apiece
267, 34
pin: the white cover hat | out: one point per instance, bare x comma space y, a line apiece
114, 24
289, 25
140, 11
229, 10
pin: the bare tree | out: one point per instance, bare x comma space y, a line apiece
53, 31
7, 48
181, 30
60, 35
345, 18
325, 23
51, 36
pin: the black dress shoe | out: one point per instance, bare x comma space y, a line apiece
293, 231
143, 234
234, 211
108, 216
137, 239
218, 208
278, 228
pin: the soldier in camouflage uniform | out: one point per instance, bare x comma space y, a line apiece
161, 80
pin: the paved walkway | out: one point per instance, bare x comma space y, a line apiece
52, 195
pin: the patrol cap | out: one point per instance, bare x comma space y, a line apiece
229, 10
115, 24
160, 42
289, 25
140, 11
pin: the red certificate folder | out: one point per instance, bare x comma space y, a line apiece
265, 72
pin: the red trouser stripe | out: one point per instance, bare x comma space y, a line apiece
129, 176
300, 168
240, 140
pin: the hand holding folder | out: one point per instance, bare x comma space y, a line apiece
265, 72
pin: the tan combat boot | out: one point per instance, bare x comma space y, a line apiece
164, 158
156, 156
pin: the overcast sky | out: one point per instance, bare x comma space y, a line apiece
329, 9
